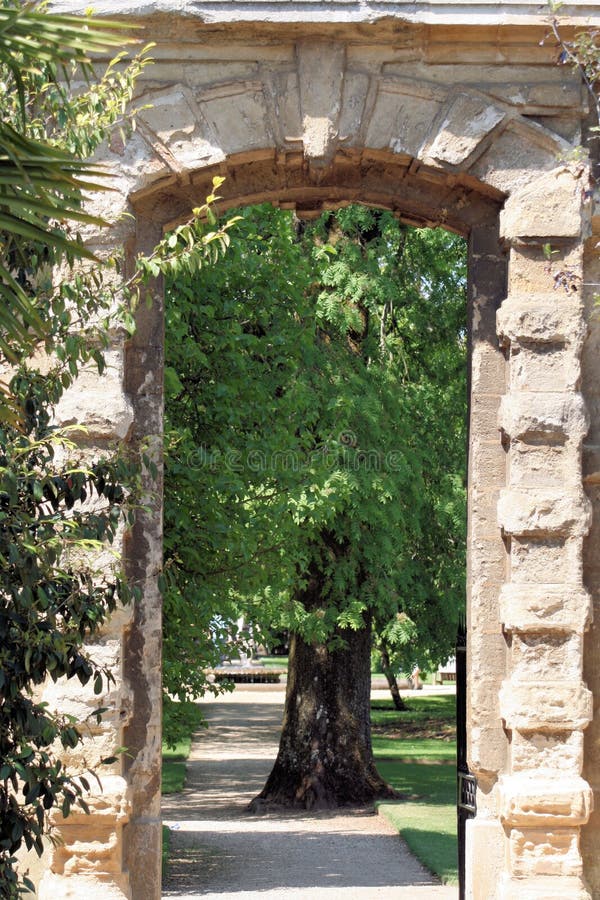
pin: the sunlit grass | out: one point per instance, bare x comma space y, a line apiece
426, 819
431, 749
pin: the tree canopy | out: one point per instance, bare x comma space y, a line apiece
315, 415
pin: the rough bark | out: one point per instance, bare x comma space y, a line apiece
391, 680
325, 757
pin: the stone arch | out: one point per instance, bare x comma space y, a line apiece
314, 124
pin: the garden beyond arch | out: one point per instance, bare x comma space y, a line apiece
467, 126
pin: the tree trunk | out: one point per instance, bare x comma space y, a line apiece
325, 757
391, 680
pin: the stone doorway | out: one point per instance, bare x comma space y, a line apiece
426, 121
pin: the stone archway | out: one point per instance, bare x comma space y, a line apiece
461, 127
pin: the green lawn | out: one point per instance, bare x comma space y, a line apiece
274, 662
422, 708
416, 754
173, 766
427, 749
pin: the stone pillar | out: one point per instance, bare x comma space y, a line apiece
544, 516
590, 385
115, 853
143, 639
487, 556
88, 861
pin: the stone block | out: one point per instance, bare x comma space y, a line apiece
539, 852
515, 157
487, 655
143, 841
89, 849
553, 560
488, 369
286, 98
354, 96
53, 887
546, 208
488, 561
467, 121
527, 413
555, 754
543, 888
544, 367
488, 460
592, 400
98, 402
237, 115
530, 271
545, 607
590, 838
483, 603
545, 706
536, 464
483, 505
484, 858
402, 116
488, 749
544, 317
484, 416
529, 512
173, 119
530, 800
537, 655
321, 75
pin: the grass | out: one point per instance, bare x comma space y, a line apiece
173, 780
274, 662
414, 751
166, 846
173, 766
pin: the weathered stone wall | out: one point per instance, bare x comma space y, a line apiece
469, 126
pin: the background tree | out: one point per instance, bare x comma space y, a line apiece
57, 505
312, 370
380, 556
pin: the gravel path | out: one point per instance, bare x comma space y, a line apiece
218, 850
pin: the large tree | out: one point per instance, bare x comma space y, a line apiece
316, 383
398, 316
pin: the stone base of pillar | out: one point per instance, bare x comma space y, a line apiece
484, 859
86, 862
78, 887
544, 888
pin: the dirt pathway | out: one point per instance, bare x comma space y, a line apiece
219, 851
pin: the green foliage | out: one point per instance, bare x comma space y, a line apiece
581, 52
46, 131
60, 508
315, 412
230, 360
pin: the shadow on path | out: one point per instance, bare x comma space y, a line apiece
219, 850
